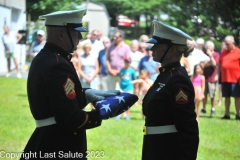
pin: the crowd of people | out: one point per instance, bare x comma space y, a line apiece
104, 63
108, 64
170, 73
115, 65
212, 69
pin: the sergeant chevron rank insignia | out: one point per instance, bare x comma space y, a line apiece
69, 88
181, 97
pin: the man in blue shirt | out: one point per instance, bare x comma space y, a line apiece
38, 44
148, 64
102, 58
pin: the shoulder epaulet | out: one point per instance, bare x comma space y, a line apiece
59, 58
175, 71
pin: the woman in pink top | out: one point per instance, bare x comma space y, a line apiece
198, 81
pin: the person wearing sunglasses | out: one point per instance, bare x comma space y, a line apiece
115, 59
171, 129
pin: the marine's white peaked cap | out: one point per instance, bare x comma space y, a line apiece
71, 18
167, 34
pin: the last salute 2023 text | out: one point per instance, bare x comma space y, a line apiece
61, 154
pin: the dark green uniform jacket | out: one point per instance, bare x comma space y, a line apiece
54, 90
170, 101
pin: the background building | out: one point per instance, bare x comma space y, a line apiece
97, 17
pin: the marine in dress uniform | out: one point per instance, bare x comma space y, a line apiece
171, 129
55, 95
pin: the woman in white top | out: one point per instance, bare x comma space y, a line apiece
136, 57
89, 69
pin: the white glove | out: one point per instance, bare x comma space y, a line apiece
93, 95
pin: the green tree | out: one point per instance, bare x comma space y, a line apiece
35, 8
205, 18
210, 18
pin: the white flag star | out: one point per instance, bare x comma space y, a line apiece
100, 101
120, 98
106, 107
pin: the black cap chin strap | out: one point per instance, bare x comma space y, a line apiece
165, 53
70, 37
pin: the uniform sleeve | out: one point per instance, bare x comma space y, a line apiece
182, 100
61, 90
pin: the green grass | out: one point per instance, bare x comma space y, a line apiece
120, 140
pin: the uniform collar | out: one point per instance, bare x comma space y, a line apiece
52, 47
169, 67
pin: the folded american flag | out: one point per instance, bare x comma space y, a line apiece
113, 106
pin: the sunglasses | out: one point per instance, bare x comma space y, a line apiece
116, 37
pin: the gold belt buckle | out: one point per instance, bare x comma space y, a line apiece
144, 130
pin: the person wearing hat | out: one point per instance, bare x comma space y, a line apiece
56, 97
38, 44
171, 129
127, 74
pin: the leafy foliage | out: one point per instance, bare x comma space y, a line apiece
211, 18
40, 7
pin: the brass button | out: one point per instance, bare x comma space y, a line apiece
75, 133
